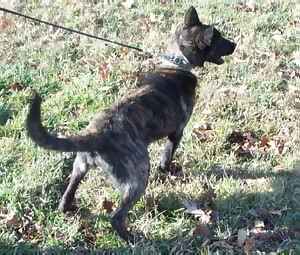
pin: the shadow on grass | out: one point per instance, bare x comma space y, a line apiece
278, 209
163, 247
56, 187
160, 246
219, 172
275, 205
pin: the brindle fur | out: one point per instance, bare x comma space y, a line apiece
116, 140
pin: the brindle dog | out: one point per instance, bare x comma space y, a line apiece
117, 139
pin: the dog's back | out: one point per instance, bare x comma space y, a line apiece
159, 107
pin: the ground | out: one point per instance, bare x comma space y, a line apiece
234, 187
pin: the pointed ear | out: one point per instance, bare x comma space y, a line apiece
191, 17
208, 35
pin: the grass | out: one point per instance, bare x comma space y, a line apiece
255, 90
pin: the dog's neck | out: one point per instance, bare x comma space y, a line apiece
173, 58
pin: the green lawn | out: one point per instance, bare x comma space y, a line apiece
239, 152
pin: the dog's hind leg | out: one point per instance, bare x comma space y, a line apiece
80, 168
132, 189
169, 150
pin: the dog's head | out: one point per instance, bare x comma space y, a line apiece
201, 43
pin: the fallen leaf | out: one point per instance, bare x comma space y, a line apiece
145, 24
104, 71
38, 227
88, 232
10, 220
203, 126
248, 6
268, 235
247, 144
249, 137
128, 4
278, 144
31, 231
193, 208
245, 151
5, 23
61, 77
3, 212
251, 5
249, 246
124, 51
278, 212
16, 86
201, 230
290, 74
259, 224
264, 141
242, 236
204, 135
277, 35
107, 206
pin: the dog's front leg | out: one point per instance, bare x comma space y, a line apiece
169, 150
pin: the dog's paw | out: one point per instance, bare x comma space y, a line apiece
164, 167
173, 169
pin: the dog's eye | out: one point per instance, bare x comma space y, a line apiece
201, 45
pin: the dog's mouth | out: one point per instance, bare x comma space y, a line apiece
217, 60
216, 56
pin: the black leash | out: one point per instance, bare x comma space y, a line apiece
70, 29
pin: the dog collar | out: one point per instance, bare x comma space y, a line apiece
176, 61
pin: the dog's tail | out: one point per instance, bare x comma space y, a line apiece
43, 138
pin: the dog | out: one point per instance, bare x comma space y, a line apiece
116, 140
